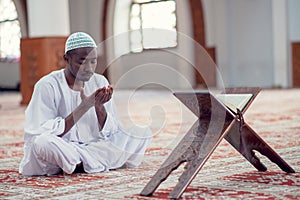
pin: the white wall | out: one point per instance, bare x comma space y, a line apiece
293, 8
48, 18
86, 15
294, 16
282, 76
253, 40
9, 75
251, 43
243, 38
209, 11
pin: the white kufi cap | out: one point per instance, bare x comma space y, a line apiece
79, 40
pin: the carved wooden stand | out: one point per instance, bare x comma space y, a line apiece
215, 122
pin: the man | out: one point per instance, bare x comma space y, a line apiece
70, 122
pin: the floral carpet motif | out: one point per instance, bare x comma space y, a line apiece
274, 115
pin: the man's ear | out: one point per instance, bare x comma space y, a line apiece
66, 58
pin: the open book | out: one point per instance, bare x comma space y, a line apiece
234, 101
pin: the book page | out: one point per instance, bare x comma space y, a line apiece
234, 101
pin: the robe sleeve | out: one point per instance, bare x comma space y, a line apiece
112, 124
41, 113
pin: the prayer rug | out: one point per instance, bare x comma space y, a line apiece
274, 115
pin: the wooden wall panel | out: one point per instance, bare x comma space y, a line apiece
39, 56
296, 63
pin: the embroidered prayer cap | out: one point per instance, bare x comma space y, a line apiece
79, 40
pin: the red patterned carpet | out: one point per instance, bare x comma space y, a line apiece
274, 115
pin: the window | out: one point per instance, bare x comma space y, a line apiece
152, 24
10, 32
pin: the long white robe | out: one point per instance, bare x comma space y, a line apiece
45, 153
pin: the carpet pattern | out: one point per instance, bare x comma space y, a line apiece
274, 115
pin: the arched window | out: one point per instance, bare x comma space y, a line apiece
10, 32
152, 24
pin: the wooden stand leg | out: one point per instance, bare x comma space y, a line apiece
159, 177
191, 170
175, 159
246, 140
194, 149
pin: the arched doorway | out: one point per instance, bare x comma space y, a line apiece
198, 26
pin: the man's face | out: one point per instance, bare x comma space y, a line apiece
82, 62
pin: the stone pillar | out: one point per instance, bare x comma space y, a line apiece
280, 43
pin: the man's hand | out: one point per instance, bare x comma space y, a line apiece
98, 98
103, 95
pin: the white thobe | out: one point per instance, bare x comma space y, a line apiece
46, 153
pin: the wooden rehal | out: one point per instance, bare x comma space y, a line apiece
215, 122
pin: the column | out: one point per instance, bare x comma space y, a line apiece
280, 43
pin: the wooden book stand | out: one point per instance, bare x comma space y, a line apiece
216, 121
